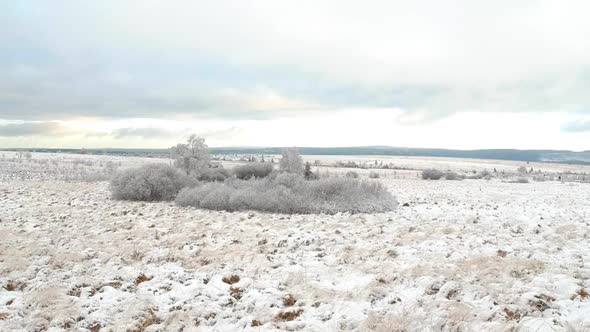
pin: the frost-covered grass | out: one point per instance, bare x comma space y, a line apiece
291, 193
462, 255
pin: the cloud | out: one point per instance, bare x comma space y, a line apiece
576, 126
164, 60
147, 133
50, 128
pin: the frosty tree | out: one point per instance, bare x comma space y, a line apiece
291, 161
192, 157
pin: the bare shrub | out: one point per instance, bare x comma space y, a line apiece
256, 170
151, 182
291, 161
521, 170
218, 174
308, 174
290, 193
374, 175
520, 180
352, 175
451, 176
432, 174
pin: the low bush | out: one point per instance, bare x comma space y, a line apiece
452, 176
352, 175
292, 194
213, 175
520, 180
374, 175
151, 182
432, 174
256, 170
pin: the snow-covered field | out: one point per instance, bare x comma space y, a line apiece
470, 255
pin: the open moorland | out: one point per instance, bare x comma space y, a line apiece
505, 251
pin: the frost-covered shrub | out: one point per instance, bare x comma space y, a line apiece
291, 161
290, 193
352, 174
451, 176
432, 174
521, 170
308, 174
520, 180
255, 170
374, 175
192, 157
218, 174
151, 182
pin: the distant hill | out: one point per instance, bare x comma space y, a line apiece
557, 156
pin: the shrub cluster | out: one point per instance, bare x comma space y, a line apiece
374, 175
218, 174
352, 175
151, 182
254, 170
291, 193
432, 174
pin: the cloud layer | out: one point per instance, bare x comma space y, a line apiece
263, 60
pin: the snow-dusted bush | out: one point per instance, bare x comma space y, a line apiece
352, 174
290, 193
291, 161
374, 175
520, 180
151, 182
432, 174
451, 176
217, 174
254, 170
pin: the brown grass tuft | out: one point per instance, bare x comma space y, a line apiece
141, 278
231, 279
255, 323
14, 285
236, 292
4, 316
582, 293
512, 315
286, 316
289, 300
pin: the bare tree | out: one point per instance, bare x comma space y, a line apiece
192, 157
291, 161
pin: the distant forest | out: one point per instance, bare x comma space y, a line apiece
557, 156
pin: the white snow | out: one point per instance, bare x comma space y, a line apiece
470, 255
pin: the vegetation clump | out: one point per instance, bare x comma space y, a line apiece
151, 182
291, 193
294, 189
432, 174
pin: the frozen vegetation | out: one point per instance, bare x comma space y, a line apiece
469, 255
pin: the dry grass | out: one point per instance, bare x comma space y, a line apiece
141, 278
236, 292
233, 279
289, 300
286, 316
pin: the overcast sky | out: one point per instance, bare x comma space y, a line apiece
449, 74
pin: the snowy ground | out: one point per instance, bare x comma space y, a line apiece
470, 255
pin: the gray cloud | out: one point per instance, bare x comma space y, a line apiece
49, 128
425, 58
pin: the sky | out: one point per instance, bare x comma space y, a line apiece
433, 74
